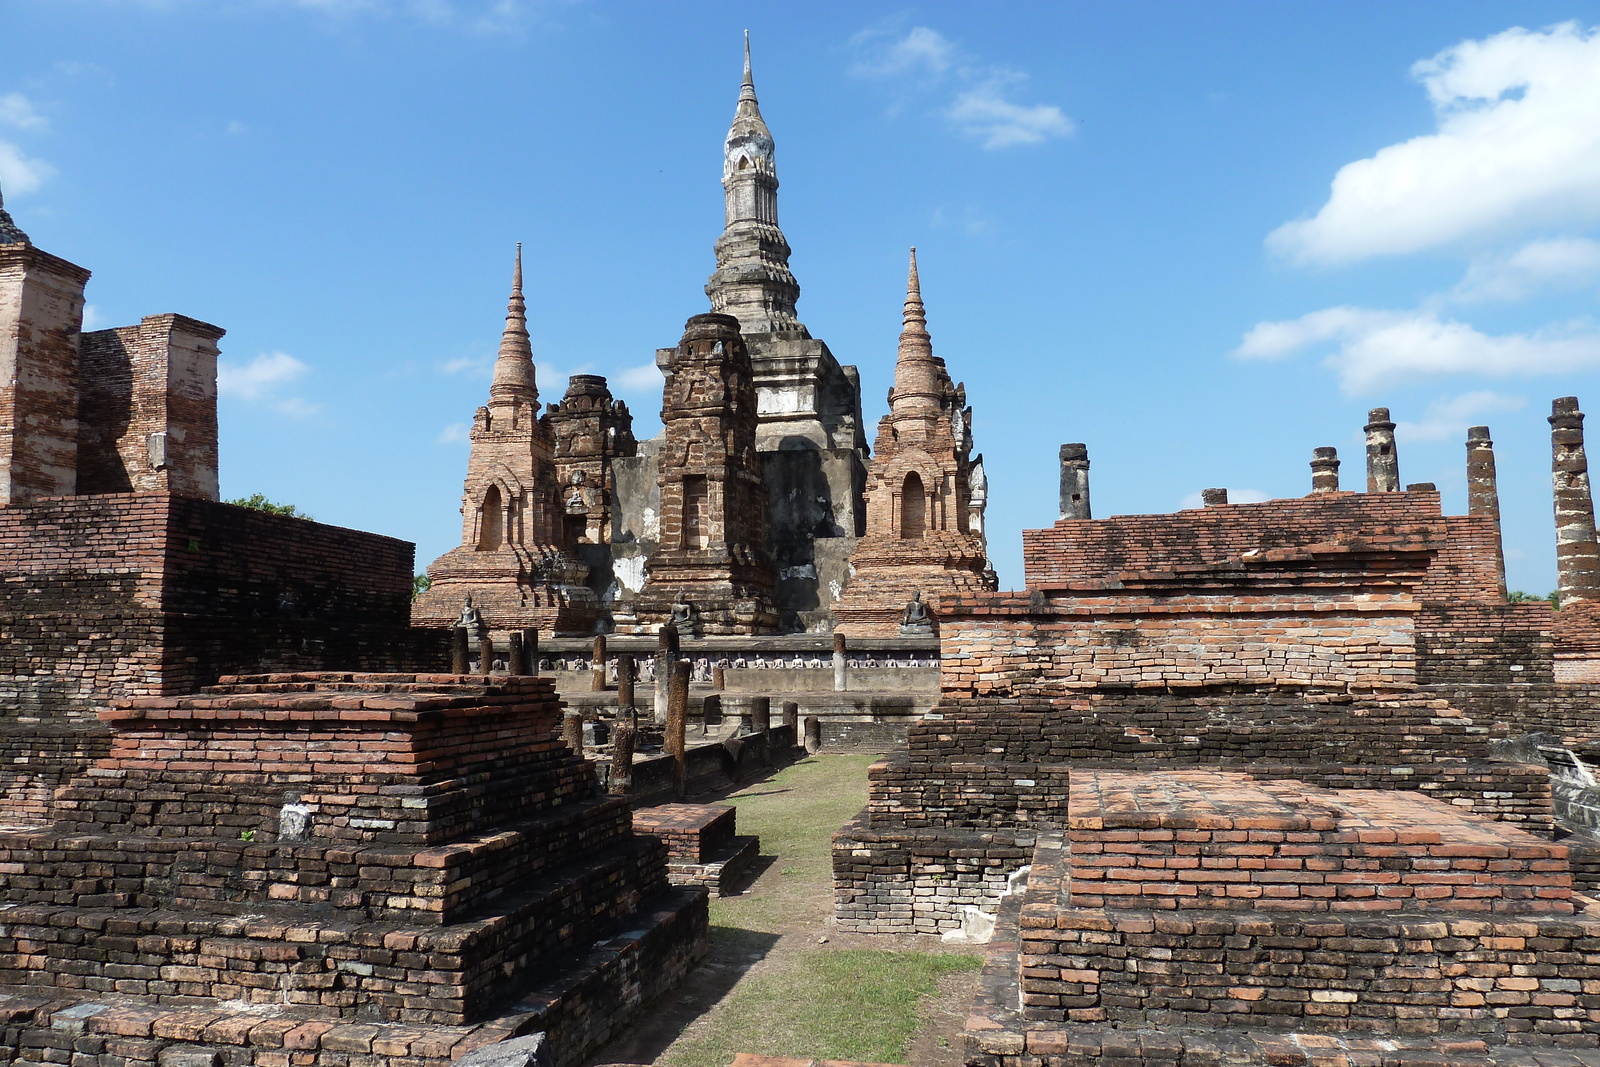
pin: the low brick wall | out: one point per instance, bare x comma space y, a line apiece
691, 832
1402, 974
1185, 840
906, 880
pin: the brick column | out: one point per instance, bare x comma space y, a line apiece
1075, 481
598, 662
1383, 464
1325, 470
1483, 495
677, 712
1577, 561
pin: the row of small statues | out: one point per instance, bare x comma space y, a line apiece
915, 620
701, 666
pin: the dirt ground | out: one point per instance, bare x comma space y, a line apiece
780, 912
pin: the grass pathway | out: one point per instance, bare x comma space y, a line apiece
780, 980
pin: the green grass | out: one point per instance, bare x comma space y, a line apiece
796, 813
844, 1004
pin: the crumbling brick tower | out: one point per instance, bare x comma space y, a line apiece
510, 560
712, 554
921, 497
591, 428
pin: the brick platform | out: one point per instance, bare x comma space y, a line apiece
354, 848
703, 847
1217, 840
1207, 899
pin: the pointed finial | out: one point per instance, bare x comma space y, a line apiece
747, 91
516, 274
915, 315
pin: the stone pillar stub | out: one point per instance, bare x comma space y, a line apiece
677, 714
1483, 492
1325, 470
625, 677
1075, 481
1213, 498
620, 782
1577, 559
1383, 464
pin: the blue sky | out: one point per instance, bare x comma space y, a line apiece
1204, 239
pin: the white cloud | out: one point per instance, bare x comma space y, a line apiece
478, 16
640, 379
880, 53
984, 112
1447, 418
20, 173
91, 317
472, 366
262, 381
1517, 144
16, 110
260, 376
454, 434
1561, 263
1374, 349
1235, 496
982, 107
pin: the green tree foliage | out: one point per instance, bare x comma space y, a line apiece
1517, 596
419, 585
260, 503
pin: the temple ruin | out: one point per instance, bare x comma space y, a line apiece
627, 511
1291, 782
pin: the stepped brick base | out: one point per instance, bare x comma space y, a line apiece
702, 845
411, 854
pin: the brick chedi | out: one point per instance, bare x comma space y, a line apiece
511, 561
921, 538
809, 431
337, 867
591, 429
712, 555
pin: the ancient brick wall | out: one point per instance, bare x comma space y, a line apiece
1465, 643
1011, 644
139, 594
1466, 567
1564, 709
1203, 840
41, 312
148, 408
1075, 550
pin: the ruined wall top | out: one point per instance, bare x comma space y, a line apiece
10, 232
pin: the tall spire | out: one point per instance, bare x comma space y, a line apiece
915, 312
747, 91
752, 281
10, 232
513, 369
918, 374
